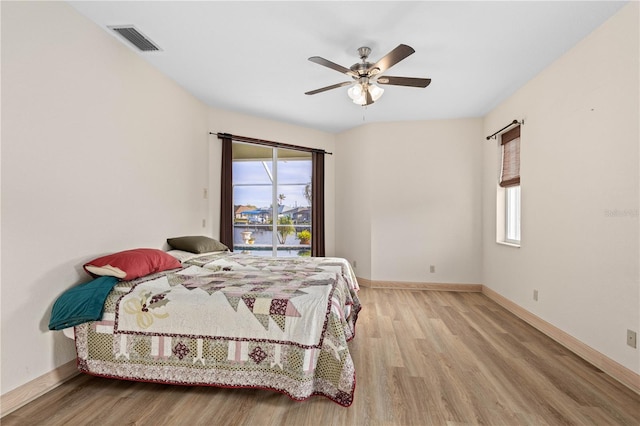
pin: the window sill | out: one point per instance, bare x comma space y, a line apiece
504, 243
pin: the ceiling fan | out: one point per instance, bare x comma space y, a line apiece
364, 91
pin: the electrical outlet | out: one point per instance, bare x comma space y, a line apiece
432, 268
205, 193
204, 223
631, 338
535, 295
355, 264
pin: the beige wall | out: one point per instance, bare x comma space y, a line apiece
100, 153
579, 154
409, 197
354, 198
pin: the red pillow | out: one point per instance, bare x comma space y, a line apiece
131, 264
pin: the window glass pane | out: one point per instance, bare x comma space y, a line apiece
247, 151
254, 196
260, 229
294, 171
294, 199
252, 172
512, 214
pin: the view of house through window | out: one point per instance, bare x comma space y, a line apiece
272, 200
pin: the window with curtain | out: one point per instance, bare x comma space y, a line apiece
272, 198
510, 171
510, 182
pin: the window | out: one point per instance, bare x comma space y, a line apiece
272, 200
509, 189
512, 214
276, 173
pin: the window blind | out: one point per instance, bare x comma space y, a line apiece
510, 172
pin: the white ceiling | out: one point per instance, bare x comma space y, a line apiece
251, 57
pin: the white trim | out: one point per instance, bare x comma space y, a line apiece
610, 367
407, 285
508, 204
508, 244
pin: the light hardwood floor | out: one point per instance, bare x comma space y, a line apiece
422, 358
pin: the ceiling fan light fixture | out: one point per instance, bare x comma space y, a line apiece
358, 93
376, 92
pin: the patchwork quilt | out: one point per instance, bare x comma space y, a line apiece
231, 322
238, 261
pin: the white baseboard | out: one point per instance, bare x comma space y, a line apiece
619, 372
26, 393
406, 285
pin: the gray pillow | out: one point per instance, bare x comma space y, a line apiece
196, 244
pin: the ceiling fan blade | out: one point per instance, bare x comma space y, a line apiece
404, 81
326, 63
393, 57
324, 89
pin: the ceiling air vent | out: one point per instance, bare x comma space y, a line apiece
135, 37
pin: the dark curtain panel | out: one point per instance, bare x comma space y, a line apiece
226, 195
317, 209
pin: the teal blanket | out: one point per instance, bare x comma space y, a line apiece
80, 304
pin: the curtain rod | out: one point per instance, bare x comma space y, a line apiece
268, 143
514, 122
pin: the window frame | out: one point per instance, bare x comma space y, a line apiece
505, 216
272, 164
517, 206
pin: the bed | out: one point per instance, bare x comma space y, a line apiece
220, 319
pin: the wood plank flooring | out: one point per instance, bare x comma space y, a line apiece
422, 358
